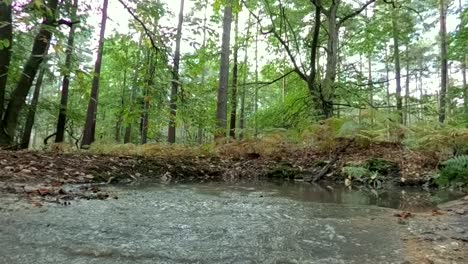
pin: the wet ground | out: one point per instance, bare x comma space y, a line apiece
261, 222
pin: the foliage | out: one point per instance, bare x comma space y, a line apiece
454, 170
362, 175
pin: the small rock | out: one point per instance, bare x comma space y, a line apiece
460, 211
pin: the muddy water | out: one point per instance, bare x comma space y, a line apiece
209, 223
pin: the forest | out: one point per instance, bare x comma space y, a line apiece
238, 69
304, 130
139, 75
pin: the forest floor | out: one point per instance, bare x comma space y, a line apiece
439, 236
23, 171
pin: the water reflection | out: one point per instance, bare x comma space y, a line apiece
410, 199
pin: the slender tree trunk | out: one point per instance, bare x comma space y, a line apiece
146, 99
62, 117
32, 111
90, 125
244, 81
256, 81
144, 122
6, 37
175, 78
232, 130
396, 54
118, 124
221, 108
19, 94
328, 89
465, 85
387, 84
203, 76
443, 61
370, 85
128, 128
407, 84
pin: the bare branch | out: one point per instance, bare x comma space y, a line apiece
270, 82
356, 12
147, 31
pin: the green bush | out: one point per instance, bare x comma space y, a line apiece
454, 170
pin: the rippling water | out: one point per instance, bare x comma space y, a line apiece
259, 222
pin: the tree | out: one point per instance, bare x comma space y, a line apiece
221, 107
19, 94
62, 117
235, 77
175, 78
6, 41
396, 57
32, 111
443, 60
90, 125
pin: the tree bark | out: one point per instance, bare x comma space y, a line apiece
244, 81
396, 55
32, 111
465, 86
221, 107
19, 94
370, 85
328, 88
232, 130
6, 38
128, 128
175, 79
62, 117
118, 124
407, 84
443, 61
90, 125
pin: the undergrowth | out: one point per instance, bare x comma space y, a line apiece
454, 171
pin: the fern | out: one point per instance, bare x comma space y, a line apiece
454, 170
356, 172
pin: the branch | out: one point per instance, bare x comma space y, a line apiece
356, 12
65, 22
270, 82
280, 39
147, 31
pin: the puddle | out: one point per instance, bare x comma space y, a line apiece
261, 222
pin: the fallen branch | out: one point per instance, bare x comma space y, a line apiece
332, 162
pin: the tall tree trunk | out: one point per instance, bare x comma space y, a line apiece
396, 55
443, 60
327, 93
6, 37
32, 111
19, 94
90, 125
407, 84
387, 83
257, 29
232, 130
118, 124
221, 107
203, 76
465, 85
62, 117
146, 99
244, 81
175, 78
144, 121
128, 128
370, 85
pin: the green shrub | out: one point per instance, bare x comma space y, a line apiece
454, 170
